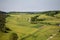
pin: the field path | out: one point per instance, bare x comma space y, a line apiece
52, 36
32, 33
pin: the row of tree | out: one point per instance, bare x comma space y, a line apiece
5, 29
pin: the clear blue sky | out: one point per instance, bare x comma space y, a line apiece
29, 5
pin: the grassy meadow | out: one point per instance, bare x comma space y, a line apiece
20, 23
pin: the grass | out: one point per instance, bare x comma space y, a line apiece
19, 23
43, 33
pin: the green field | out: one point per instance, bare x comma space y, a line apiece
42, 30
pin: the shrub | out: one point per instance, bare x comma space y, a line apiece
40, 19
14, 36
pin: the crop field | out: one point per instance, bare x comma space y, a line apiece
43, 29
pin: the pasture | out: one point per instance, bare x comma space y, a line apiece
42, 30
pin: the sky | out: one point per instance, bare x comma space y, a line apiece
29, 5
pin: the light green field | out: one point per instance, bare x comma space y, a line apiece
19, 23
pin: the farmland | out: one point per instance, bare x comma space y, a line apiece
42, 29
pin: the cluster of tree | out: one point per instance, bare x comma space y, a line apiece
34, 19
52, 13
58, 24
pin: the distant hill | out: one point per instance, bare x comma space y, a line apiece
31, 12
